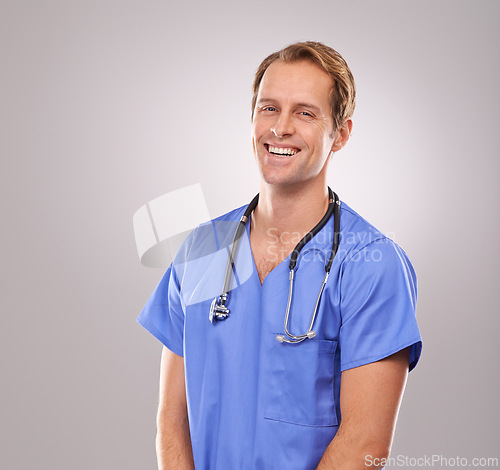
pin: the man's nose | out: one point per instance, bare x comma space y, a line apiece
283, 126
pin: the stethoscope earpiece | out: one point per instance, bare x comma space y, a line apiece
299, 339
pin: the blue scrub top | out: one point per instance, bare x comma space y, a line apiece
252, 401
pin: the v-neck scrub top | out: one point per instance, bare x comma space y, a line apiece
255, 403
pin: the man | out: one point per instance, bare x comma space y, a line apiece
231, 396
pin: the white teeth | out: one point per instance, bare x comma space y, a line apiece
282, 151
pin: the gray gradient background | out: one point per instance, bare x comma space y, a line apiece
106, 105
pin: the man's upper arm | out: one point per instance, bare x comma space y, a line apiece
163, 314
370, 396
173, 442
378, 300
172, 385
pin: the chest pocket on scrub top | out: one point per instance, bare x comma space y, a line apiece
301, 383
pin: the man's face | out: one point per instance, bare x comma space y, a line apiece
292, 132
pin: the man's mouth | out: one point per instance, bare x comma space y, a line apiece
286, 151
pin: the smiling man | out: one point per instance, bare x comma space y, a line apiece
291, 378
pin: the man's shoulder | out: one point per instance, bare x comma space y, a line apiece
232, 215
364, 246
210, 237
359, 235
200, 263
355, 229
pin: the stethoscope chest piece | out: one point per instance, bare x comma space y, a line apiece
218, 309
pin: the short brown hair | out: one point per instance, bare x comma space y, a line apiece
343, 90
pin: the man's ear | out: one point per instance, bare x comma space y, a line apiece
342, 135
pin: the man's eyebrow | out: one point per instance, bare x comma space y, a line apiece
266, 100
309, 105
302, 105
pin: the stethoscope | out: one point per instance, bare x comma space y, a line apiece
219, 310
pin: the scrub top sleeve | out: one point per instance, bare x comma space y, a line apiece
163, 314
378, 300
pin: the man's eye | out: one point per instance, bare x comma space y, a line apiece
269, 108
305, 113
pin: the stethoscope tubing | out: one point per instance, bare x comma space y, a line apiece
218, 309
310, 333
235, 243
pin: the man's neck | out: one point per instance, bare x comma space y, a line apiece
290, 209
